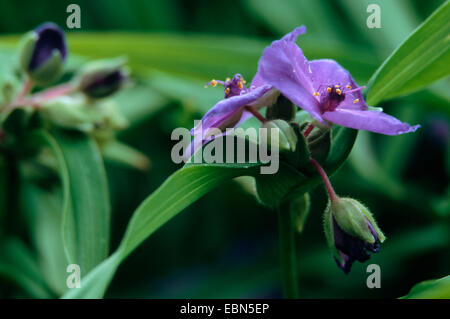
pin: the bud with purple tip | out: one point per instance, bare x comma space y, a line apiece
43, 53
351, 232
99, 79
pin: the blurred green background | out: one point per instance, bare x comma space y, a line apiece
226, 244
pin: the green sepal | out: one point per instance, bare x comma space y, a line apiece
26, 49
50, 71
328, 230
300, 206
352, 217
299, 158
287, 139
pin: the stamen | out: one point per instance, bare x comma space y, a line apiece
316, 93
228, 79
328, 89
213, 83
239, 84
348, 87
355, 100
338, 91
337, 86
227, 90
357, 89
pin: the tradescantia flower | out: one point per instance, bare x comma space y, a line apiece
323, 88
43, 52
351, 232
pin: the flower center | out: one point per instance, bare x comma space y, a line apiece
233, 87
331, 96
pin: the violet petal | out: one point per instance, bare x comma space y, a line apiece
373, 121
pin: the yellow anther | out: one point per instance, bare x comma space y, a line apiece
240, 86
243, 81
348, 87
227, 90
328, 89
317, 93
213, 83
338, 91
355, 100
228, 79
337, 86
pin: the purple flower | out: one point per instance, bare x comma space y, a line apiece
50, 39
323, 88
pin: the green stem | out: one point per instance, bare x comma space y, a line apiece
287, 252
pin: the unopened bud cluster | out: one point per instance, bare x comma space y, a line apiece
80, 103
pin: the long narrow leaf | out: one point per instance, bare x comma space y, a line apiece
423, 58
86, 208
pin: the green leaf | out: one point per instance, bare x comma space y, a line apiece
273, 190
342, 141
138, 103
180, 190
398, 19
192, 55
423, 58
124, 154
284, 15
86, 207
43, 214
19, 265
430, 289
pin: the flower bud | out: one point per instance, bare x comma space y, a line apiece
73, 112
287, 139
102, 78
351, 232
43, 52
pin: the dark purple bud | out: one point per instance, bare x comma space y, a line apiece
99, 79
43, 53
105, 86
351, 232
351, 248
50, 38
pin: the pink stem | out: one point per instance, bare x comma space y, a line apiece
325, 179
54, 92
51, 93
308, 130
27, 87
256, 114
